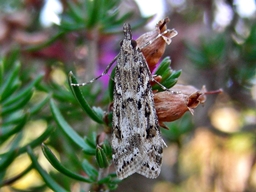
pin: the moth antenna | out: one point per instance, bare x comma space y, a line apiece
96, 78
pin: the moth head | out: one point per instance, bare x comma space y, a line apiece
127, 31
133, 43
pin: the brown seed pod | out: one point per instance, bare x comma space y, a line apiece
153, 43
170, 106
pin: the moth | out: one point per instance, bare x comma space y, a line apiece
136, 141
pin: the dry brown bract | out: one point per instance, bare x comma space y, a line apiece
160, 37
170, 106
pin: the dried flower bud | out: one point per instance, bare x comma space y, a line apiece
170, 106
159, 37
194, 96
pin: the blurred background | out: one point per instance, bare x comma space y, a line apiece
42, 40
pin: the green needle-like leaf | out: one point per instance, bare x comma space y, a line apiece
8, 132
101, 157
37, 107
90, 170
22, 93
75, 11
48, 180
17, 105
8, 82
57, 165
169, 76
69, 132
6, 159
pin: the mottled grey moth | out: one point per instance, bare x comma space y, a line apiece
136, 141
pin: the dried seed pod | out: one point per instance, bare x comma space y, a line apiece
193, 95
170, 106
153, 43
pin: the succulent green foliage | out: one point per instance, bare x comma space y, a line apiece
69, 132
48, 180
16, 112
87, 15
103, 155
169, 76
211, 53
102, 14
90, 148
230, 54
57, 165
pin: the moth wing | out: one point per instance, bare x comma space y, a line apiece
152, 160
126, 141
127, 164
127, 134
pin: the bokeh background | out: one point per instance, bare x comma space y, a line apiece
41, 41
